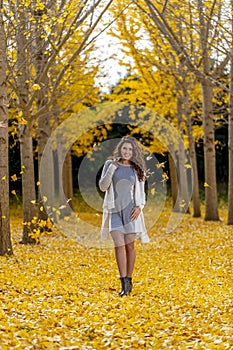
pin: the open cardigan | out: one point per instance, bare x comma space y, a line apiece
105, 185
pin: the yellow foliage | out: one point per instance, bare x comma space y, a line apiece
62, 295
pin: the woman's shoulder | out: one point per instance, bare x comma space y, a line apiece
108, 162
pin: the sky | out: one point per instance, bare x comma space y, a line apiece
110, 71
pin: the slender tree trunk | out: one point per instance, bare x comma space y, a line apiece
65, 209
211, 200
44, 132
26, 149
183, 185
28, 188
174, 183
230, 139
44, 128
195, 181
68, 178
5, 236
193, 157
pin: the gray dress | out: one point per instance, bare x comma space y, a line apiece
123, 184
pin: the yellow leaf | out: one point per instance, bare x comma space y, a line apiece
38, 183
188, 166
13, 192
160, 165
14, 177
33, 201
4, 178
152, 191
35, 87
22, 121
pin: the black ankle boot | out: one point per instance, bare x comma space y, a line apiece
124, 286
130, 284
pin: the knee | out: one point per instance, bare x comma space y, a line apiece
129, 247
119, 248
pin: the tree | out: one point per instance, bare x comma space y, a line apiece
5, 238
205, 18
45, 40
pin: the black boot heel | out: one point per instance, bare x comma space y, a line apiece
124, 286
130, 284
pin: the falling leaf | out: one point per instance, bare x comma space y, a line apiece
188, 166
152, 191
14, 177
160, 165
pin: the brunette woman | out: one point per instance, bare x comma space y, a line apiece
123, 181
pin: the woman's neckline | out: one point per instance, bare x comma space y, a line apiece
125, 164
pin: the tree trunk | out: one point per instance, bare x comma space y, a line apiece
5, 236
26, 150
64, 208
183, 181
67, 178
174, 183
230, 139
195, 181
193, 157
183, 184
46, 175
211, 200
30, 229
44, 128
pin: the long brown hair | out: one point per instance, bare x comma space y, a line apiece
137, 159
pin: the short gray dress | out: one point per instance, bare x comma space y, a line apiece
123, 184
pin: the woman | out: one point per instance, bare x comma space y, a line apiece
123, 181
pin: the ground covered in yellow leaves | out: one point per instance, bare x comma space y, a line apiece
62, 295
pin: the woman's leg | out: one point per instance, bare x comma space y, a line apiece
119, 243
130, 253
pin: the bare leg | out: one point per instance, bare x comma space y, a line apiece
119, 242
130, 253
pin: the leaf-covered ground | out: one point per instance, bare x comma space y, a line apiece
62, 295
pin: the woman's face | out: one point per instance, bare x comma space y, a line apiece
127, 151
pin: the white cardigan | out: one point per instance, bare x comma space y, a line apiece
105, 185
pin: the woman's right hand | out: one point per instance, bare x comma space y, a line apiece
115, 162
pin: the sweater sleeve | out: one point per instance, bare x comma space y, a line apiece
106, 176
142, 193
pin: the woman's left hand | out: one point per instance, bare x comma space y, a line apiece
135, 213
